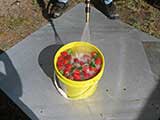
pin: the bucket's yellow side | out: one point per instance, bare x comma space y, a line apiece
79, 89
80, 92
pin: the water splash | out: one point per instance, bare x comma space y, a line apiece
86, 33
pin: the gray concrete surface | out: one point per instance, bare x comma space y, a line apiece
125, 88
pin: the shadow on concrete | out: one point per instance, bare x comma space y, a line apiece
151, 110
10, 82
46, 58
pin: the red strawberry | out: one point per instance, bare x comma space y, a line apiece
64, 53
98, 67
76, 72
85, 68
97, 71
98, 61
60, 58
81, 63
66, 72
76, 60
68, 66
92, 68
60, 67
65, 61
76, 76
86, 75
60, 63
94, 53
68, 57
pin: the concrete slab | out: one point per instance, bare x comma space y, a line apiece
26, 71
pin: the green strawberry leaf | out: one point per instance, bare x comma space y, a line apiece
92, 64
72, 69
80, 68
96, 56
69, 51
62, 72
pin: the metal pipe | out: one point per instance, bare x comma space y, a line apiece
87, 10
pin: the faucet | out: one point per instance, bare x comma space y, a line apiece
87, 10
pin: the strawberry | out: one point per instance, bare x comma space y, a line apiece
60, 67
76, 71
60, 58
98, 70
86, 75
64, 53
76, 76
76, 60
60, 63
68, 66
94, 53
66, 72
65, 61
68, 57
85, 68
81, 63
98, 67
92, 68
98, 61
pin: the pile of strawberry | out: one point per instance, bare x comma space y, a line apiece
80, 66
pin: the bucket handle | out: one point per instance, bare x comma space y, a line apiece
60, 90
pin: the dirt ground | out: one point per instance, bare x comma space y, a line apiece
19, 18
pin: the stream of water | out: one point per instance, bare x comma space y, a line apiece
86, 33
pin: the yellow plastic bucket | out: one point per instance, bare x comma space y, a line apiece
79, 89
